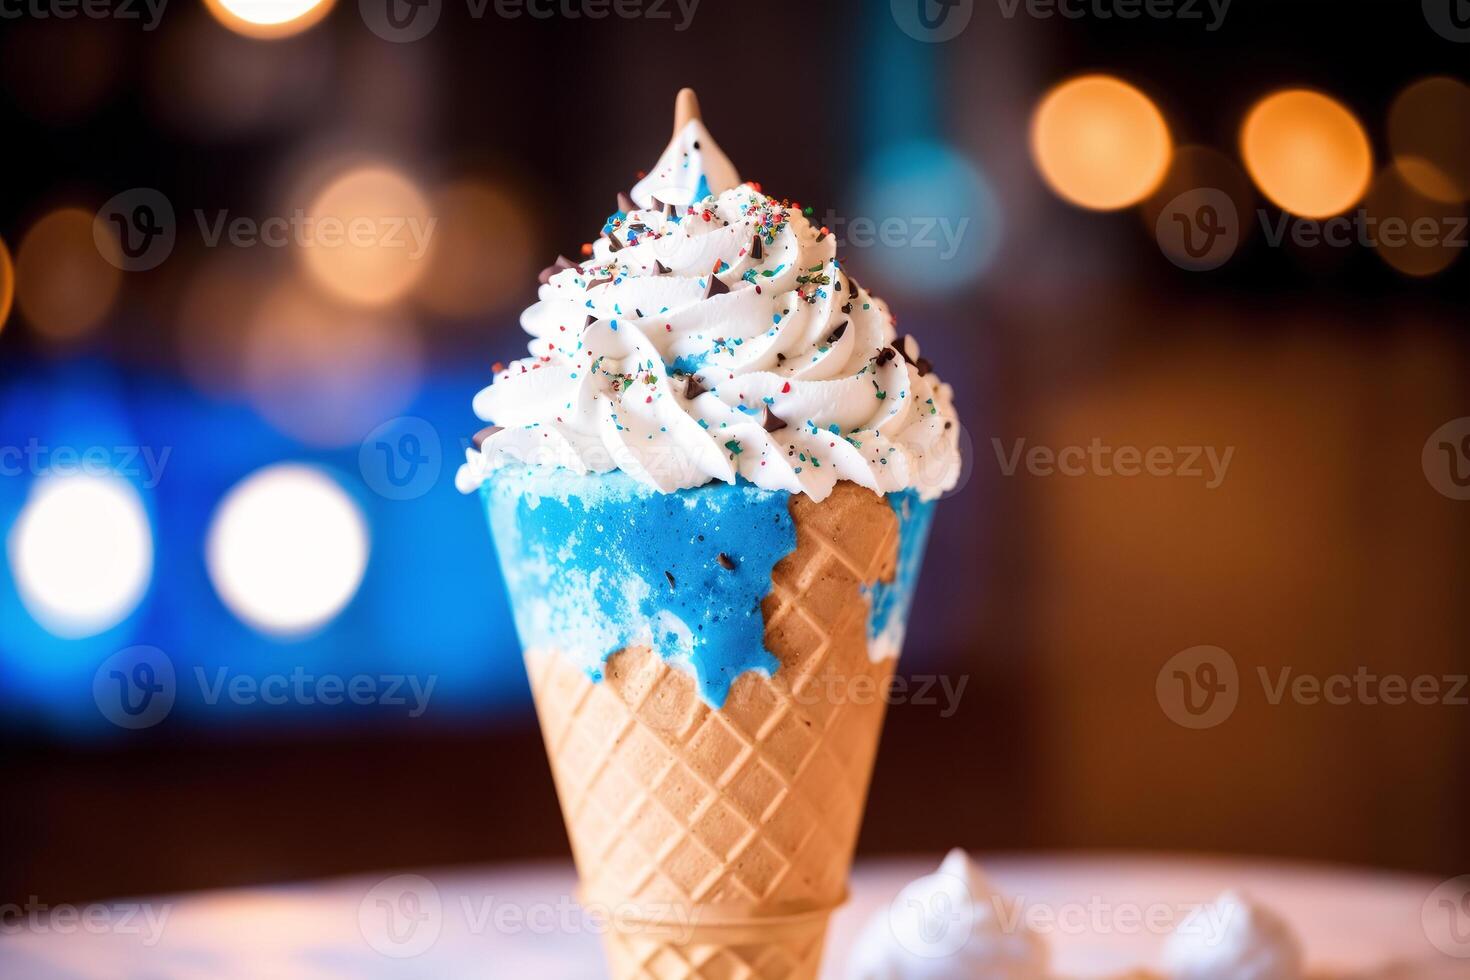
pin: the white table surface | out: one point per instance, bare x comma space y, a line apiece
519, 922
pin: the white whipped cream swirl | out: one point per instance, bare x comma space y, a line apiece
783, 370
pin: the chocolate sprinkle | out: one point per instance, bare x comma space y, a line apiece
599, 282
479, 437
847, 308
903, 348
923, 366
885, 355
670, 576
726, 562
836, 335
693, 389
757, 251
625, 203
613, 243
772, 422
590, 320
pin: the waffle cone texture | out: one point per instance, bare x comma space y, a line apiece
721, 840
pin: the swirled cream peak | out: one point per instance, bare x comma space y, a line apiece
715, 340
692, 168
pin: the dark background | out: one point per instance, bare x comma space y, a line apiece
1060, 599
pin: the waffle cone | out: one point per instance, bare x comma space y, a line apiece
718, 842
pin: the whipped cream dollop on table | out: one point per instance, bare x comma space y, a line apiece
714, 334
949, 926
1233, 938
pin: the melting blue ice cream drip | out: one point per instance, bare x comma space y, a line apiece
889, 602
587, 578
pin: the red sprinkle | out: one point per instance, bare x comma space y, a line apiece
786, 387
497, 367
586, 248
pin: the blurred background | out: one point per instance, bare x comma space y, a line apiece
1195, 276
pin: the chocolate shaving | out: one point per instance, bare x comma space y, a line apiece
836, 335
716, 286
923, 366
852, 287
562, 262
599, 282
590, 320
625, 203
670, 576
546, 274
479, 437
847, 308
885, 355
659, 269
613, 244
668, 210
903, 348
757, 250
693, 389
773, 423
780, 357
726, 562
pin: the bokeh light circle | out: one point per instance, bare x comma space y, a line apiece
268, 18
483, 249
287, 549
1414, 233
1307, 153
926, 220
81, 552
1429, 135
7, 283
63, 284
326, 373
1099, 142
369, 236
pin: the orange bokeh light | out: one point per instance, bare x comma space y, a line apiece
1414, 233
7, 283
268, 19
63, 284
367, 236
1307, 153
1100, 143
1429, 134
484, 250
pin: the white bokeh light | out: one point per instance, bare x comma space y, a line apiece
287, 549
81, 552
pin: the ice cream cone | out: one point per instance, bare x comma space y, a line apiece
718, 841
